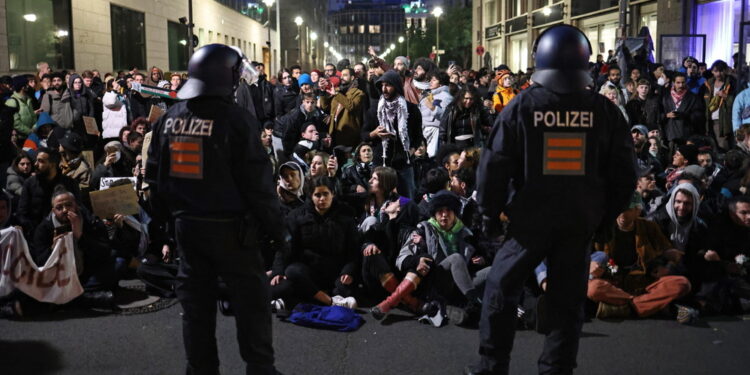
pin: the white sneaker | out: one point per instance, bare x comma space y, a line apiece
349, 302
277, 305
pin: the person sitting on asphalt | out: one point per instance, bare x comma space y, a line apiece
440, 253
620, 282
323, 262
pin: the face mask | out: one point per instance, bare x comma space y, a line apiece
661, 81
118, 154
652, 152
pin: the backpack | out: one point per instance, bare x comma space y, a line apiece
335, 318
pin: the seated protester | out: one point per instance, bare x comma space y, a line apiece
650, 194
743, 140
728, 245
683, 156
289, 126
355, 177
321, 164
74, 165
448, 157
680, 222
35, 201
93, 262
389, 219
325, 245
18, 172
734, 162
422, 163
115, 164
641, 146
133, 146
440, 251
435, 181
42, 131
7, 219
716, 174
635, 243
462, 184
125, 235
290, 188
310, 141
659, 151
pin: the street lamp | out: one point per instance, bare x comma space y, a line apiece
401, 39
298, 22
314, 36
269, 4
325, 44
392, 46
437, 12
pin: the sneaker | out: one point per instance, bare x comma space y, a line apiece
686, 315
608, 311
349, 302
225, 307
277, 305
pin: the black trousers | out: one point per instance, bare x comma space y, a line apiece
567, 257
209, 249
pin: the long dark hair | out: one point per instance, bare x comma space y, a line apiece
458, 100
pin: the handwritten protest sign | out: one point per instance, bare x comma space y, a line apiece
117, 200
55, 282
106, 182
91, 127
154, 114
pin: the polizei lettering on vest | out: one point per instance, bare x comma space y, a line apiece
565, 119
192, 126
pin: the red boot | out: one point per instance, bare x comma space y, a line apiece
404, 289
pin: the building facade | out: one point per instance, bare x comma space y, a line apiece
706, 29
112, 35
303, 45
358, 25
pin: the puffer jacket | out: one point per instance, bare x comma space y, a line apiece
14, 184
58, 106
432, 247
441, 99
114, 115
24, 117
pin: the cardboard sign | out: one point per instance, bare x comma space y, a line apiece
117, 200
91, 127
106, 182
154, 114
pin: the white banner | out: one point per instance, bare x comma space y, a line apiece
55, 282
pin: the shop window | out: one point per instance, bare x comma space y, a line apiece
39, 31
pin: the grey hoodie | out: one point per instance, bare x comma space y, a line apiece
681, 231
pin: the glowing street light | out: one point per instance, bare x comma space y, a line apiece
30, 17
437, 12
392, 46
325, 44
401, 39
546, 11
298, 20
314, 36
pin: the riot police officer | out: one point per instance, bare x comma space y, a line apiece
559, 163
207, 168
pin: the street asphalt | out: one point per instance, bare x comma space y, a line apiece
86, 343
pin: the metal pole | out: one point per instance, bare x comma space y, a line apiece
190, 25
437, 42
623, 18
299, 45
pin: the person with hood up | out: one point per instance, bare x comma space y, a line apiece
56, 102
82, 103
21, 105
290, 188
504, 92
432, 106
394, 128
42, 131
115, 111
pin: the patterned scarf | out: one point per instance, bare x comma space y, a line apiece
677, 97
388, 113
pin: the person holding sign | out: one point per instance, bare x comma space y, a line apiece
207, 169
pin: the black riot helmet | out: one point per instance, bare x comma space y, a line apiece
561, 58
213, 70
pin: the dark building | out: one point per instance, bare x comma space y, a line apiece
360, 24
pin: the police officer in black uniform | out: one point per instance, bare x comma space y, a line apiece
559, 163
207, 168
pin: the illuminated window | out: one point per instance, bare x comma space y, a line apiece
39, 31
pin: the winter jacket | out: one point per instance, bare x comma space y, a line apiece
82, 103
14, 183
432, 247
642, 112
691, 119
503, 96
725, 105
285, 99
138, 106
289, 126
36, 201
649, 244
58, 106
24, 117
741, 109
397, 158
260, 97
441, 99
459, 121
327, 243
114, 115
346, 119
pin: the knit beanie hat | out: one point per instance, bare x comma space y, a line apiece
446, 199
